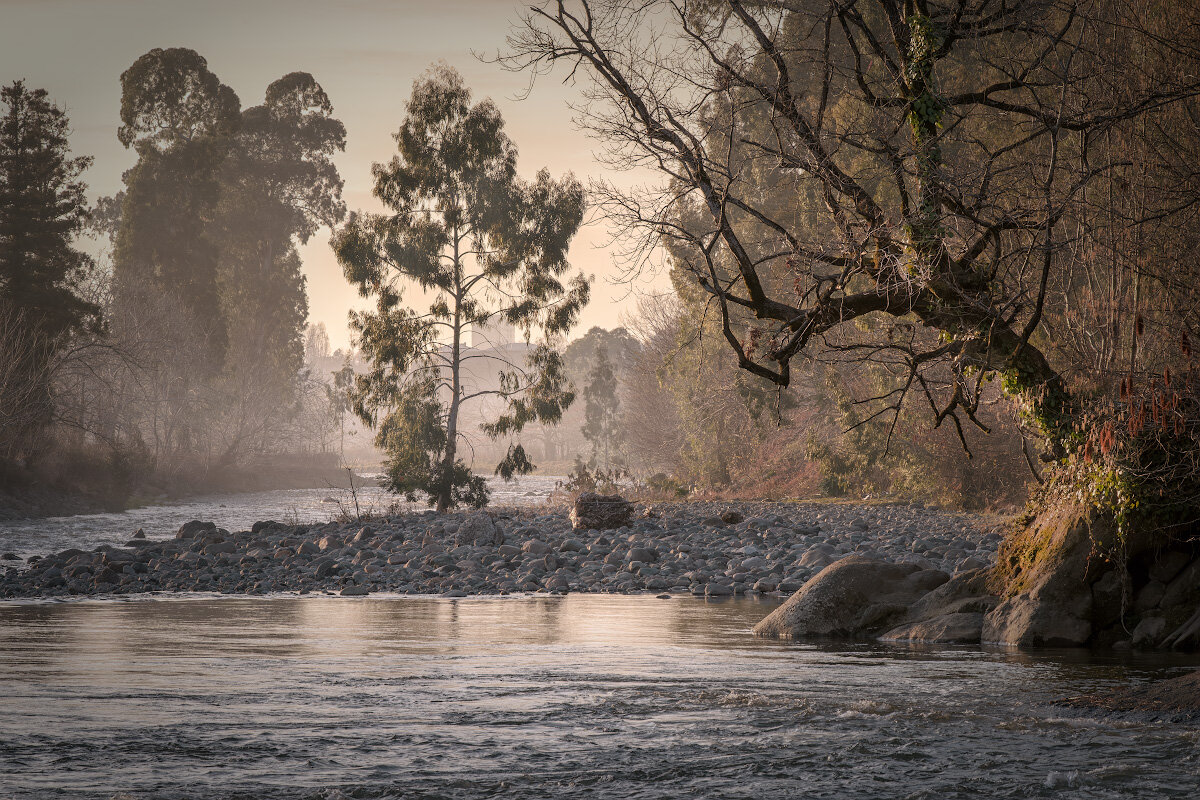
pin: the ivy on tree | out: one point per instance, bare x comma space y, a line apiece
482, 245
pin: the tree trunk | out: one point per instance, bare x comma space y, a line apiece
444, 493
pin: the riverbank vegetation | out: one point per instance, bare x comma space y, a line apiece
984, 212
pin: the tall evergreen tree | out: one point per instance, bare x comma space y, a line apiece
42, 208
483, 245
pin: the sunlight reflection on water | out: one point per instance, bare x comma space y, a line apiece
580, 696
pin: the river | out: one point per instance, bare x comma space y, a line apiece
233, 512
583, 696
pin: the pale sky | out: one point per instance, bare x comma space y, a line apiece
365, 53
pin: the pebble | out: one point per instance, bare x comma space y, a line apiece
707, 549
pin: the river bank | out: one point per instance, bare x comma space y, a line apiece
711, 549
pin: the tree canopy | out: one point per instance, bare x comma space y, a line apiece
482, 245
42, 208
896, 181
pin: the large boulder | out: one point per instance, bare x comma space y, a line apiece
950, 614
857, 596
190, 530
479, 530
600, 511
1048, 571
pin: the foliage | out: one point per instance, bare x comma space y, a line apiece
602, 414
42, 208
585, 477
43, 275
848, 176
484, 246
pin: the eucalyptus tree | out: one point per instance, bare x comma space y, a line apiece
180, 120
602, 411
208, 277
481, 245
278, 187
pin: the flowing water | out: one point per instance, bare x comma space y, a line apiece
233, 512
584, 696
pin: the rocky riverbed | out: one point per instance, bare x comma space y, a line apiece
713, 549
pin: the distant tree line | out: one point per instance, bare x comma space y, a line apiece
179, 350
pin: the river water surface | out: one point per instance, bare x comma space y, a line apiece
584, 696
235, 512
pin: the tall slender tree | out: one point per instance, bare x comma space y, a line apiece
482, 245
42, 208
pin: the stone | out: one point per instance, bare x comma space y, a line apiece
1052, 605
479, 530
189, 530
643, 554
107, 575
960, 628
855, 596
536, 547
364, 535
717, 590
1168, 565
966, 592
600, 512
1184, 589
1148, 597
354, 591
816, 558
1108, 599
1149, 632
10, 557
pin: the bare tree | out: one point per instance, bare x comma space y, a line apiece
850, 174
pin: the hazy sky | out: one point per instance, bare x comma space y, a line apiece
365, 53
